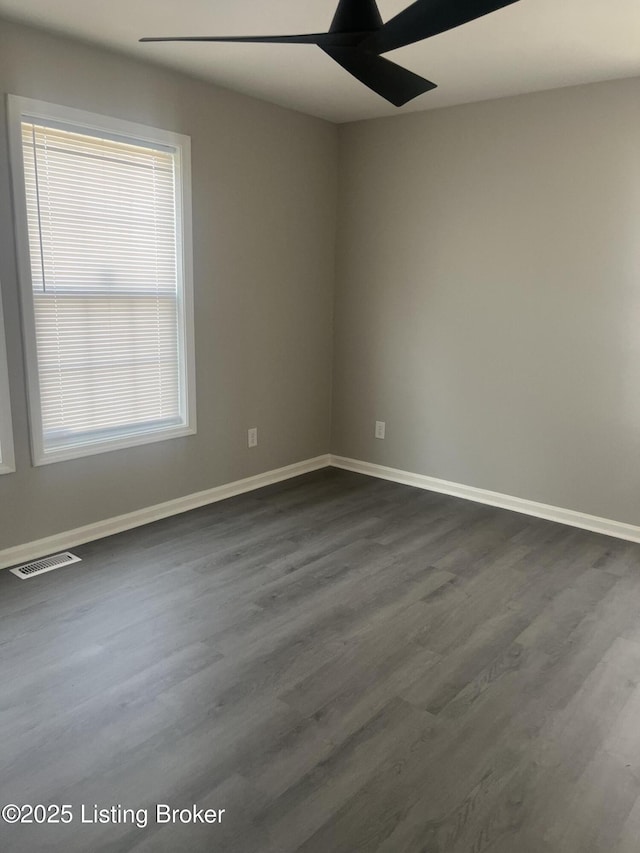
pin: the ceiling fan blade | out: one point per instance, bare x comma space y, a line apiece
426, 18
304, 38
394, 83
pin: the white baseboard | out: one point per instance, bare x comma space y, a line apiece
138, 518
72, 538
618, 529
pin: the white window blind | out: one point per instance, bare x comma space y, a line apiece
105, 244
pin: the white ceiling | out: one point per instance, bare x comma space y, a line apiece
529, 46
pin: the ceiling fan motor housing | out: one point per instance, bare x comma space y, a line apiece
355, 16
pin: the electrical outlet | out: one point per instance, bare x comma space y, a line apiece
252, 436
381, 429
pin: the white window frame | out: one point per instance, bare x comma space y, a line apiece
25, 109
8, 463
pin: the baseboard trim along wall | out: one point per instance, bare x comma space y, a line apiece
138, 518
617, 529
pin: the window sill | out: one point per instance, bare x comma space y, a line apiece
42, 457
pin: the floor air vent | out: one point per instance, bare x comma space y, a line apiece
47, 564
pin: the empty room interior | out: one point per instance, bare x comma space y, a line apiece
320, 426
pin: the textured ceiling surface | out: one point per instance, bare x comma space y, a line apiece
529, 46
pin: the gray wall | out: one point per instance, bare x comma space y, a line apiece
264, 184
488, 296
487, 292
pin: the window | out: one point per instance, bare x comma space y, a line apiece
6, 439
103, 224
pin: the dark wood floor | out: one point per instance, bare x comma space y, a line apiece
342, 664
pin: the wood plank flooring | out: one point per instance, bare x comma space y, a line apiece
344, 665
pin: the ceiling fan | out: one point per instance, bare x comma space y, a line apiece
358, 36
